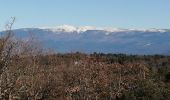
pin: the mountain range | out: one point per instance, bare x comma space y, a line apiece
89, 39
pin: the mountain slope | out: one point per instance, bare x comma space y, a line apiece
90, 39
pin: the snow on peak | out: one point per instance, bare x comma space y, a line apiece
66, 28
70, 28
80, 29
155, 30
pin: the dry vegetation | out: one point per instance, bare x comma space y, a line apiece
28, 73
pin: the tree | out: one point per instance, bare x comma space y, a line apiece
6, 49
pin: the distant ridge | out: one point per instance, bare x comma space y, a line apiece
88, 39
70, 28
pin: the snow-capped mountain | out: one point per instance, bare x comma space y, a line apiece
89, 39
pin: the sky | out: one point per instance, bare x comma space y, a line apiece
136, 14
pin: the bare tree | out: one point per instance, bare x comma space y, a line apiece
6, 47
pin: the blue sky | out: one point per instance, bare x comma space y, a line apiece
136, 14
